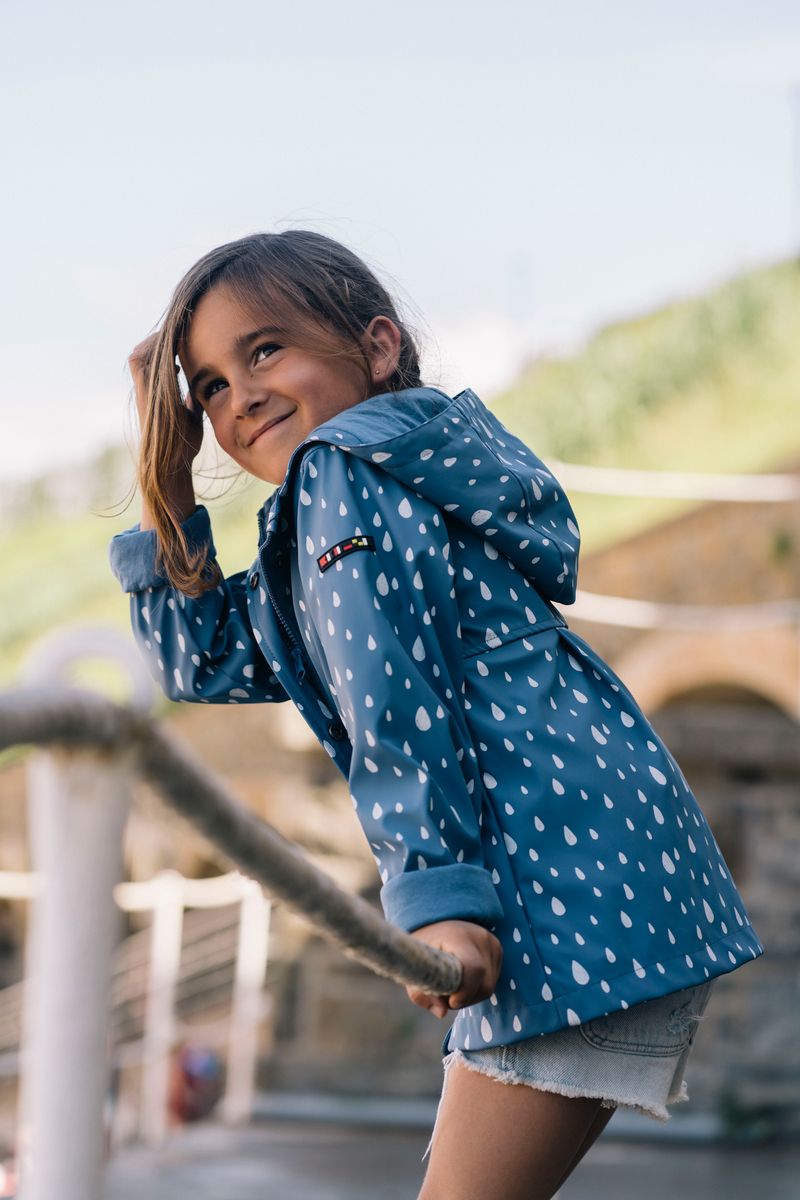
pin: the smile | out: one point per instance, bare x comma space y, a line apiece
268, 428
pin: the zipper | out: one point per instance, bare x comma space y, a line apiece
295, 649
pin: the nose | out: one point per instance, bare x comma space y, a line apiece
247, 396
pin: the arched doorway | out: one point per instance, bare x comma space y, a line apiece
740, 754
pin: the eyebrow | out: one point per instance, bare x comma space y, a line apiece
240, 344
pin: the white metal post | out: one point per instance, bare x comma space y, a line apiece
247, 1008
77, 811
78, 805
159, 1032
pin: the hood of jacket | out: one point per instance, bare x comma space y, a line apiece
457, 454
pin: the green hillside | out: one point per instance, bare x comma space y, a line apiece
708, 384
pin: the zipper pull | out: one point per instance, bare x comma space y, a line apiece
300, 669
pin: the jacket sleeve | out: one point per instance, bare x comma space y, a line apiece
203, 649
383, 627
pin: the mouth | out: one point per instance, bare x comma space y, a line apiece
268, 426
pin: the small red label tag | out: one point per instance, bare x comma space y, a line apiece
359, 541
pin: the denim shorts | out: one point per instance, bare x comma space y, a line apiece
633, 1058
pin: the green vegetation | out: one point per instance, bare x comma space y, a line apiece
708, 384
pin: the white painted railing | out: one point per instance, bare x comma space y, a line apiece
691, 485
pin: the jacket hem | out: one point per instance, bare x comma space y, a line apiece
552, 1015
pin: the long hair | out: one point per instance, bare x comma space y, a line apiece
319, 292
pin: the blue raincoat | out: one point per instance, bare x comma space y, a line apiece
404, 598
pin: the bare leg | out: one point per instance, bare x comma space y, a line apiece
597, 1126
501, 1141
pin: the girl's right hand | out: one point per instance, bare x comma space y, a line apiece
481, 957
191, 420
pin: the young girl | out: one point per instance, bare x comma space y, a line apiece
523, 813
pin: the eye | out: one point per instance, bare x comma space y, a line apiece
210, 389
268, 349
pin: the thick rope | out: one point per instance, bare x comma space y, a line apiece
78, 720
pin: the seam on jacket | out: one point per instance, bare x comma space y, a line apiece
514, 635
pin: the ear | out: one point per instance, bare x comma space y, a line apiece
381, 341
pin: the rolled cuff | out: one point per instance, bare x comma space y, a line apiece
132, 553
452, 893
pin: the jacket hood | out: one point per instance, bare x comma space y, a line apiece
457, 454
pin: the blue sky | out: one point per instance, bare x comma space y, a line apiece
520, 172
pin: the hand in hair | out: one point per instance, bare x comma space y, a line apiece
179, 490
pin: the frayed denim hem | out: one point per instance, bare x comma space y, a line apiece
505, 1075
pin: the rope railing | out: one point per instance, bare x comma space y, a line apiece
77, 720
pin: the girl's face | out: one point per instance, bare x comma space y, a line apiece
264, 397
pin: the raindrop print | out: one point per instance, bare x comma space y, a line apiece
579, 973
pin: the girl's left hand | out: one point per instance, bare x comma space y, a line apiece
480, 954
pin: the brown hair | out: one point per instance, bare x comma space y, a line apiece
320, 293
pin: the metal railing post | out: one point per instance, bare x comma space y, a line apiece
159, 1033
78, 805
247, 1008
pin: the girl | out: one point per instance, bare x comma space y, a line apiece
523, 813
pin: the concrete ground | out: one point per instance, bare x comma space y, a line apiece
291, 1160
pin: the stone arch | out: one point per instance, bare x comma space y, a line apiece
667, 663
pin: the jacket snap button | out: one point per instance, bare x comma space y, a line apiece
337, 731
253, 580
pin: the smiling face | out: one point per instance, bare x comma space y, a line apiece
264, 396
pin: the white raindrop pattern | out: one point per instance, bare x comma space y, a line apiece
488, 739
556, 749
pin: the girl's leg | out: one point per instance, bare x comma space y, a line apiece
501, 1141
597, 1126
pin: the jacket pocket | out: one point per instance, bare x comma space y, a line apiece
473, 647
